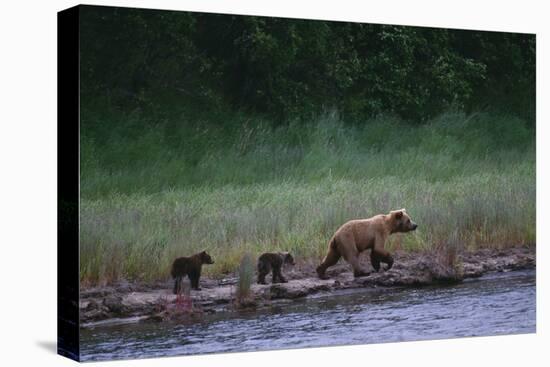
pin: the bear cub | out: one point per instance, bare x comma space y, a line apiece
273, 262
190, 266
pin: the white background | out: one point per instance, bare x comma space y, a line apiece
28, 182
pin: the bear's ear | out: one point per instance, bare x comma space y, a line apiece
398, 213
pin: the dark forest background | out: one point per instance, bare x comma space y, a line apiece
290, 68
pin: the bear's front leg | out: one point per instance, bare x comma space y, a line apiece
177, 285
375, 261
360, 273
380, 255
278, 275
194, 278
388, 260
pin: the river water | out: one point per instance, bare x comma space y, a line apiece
502, 303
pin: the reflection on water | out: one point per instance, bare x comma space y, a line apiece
493, 305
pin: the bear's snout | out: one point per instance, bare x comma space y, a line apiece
414, 225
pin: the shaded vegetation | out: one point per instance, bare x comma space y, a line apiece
289, 68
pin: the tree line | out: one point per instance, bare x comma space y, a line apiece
292, 68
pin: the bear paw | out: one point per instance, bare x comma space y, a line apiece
359, 274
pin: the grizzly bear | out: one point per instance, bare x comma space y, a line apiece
357, 235
190, 266
273, 262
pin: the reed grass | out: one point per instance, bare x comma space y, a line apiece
176, 188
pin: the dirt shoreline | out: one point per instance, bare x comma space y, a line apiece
125, 302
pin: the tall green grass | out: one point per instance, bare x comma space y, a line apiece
239, 186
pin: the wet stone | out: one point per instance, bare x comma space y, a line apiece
114, 304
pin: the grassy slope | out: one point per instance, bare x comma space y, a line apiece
179, 187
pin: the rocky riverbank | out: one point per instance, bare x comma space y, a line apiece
128, 301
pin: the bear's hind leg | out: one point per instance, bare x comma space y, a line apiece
263, 270
331, 259
177, 285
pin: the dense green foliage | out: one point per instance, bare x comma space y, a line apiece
131, 155
288, 68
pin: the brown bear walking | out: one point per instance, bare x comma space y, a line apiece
273, 262
356, 236
190, 266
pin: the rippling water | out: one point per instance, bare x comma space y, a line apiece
493, 305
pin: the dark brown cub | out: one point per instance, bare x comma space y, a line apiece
190, 266
273, 262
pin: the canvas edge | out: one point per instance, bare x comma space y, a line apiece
68, 121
